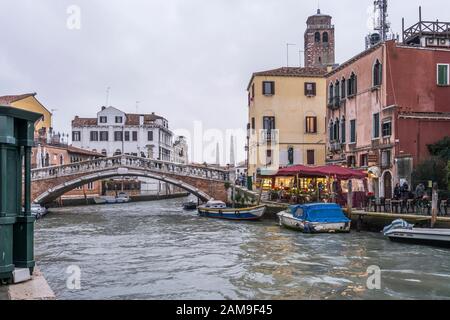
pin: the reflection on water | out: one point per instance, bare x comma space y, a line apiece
155, 250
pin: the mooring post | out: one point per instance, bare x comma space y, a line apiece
350, 199
434, 204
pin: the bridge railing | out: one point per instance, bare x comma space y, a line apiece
102, 164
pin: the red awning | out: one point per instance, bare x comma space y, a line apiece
324, 171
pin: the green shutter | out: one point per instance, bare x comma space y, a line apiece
443, 75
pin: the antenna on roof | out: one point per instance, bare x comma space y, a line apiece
137, 106
287, 52
108, 89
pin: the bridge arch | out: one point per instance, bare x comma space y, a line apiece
55, 192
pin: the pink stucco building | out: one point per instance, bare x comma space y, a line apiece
387, 104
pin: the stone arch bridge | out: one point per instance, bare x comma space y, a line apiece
48, 184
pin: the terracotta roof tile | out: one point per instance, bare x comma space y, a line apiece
293, 72
290, 72
7, 100
82, 122
133, 119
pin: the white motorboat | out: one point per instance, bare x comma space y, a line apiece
99, 200
402, 231
38, 211
315, 218
110, 199
122, 197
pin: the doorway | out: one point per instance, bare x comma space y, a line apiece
387, 185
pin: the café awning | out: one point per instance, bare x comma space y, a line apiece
323, 171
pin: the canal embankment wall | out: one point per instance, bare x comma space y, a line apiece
74, 202
35, 289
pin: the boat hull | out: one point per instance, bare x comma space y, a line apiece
431, 237
290, 222
248, 214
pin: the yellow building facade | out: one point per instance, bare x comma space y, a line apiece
30, 103
286, 119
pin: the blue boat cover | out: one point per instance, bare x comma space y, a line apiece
319, 212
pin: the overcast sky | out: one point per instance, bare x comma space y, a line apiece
186, 60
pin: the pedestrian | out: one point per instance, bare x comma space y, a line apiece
420, 191
405, 191
397, 192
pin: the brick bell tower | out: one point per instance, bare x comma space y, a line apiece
319, 41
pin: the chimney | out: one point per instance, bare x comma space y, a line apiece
103, 108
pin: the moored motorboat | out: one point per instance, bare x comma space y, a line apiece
191, 205
99, 200
110, 199
402, 231
219, 210
315, 218
122, 197
38, 211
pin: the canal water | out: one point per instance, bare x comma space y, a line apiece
155, 250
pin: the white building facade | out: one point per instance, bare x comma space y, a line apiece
180, 151
114, 132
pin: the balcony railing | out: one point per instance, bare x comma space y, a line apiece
269, 136
427, 27
335, 103
336, 146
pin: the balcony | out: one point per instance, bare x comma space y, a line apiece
336, 146
269, 136
335, 103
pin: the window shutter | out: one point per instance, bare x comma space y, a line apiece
306, 89
443, 75
315, 125
273, 88
314, 88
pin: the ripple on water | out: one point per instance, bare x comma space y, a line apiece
156, 250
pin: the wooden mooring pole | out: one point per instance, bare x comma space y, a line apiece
434, 204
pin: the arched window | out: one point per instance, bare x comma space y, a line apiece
352, 85
104, 152
343, 130
317, 37
118, 152
331, 94
61, 159
331, 130
377, 73
343, 91
325, 37
337, 90
336, 130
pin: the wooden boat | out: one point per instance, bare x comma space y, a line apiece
99, 200
219, 210
191, 205
402, 231
315, 218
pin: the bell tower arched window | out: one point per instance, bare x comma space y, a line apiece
325, 37
317, 37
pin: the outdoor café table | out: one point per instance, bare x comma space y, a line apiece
397, 204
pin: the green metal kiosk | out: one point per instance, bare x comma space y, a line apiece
16, 220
